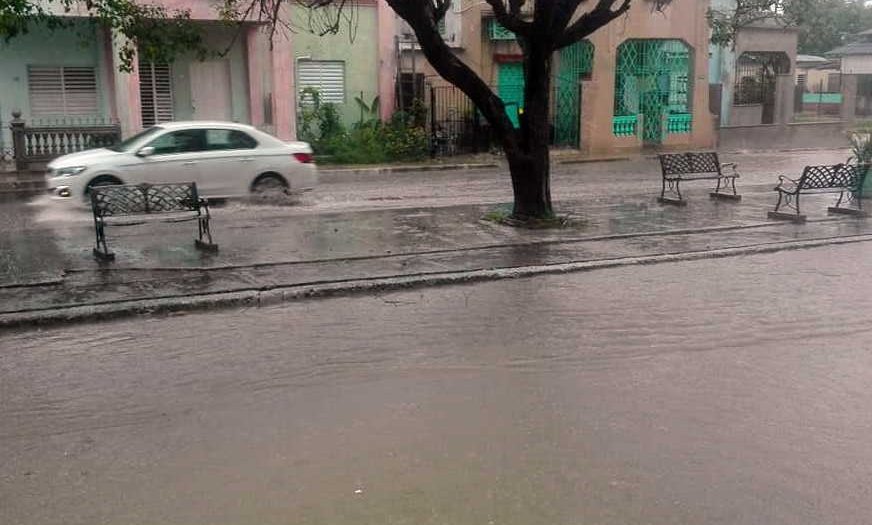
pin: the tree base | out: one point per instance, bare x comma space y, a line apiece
506, 218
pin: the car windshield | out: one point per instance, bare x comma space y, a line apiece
127, 145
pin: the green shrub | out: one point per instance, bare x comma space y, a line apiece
369, 141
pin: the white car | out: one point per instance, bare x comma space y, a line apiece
224, 159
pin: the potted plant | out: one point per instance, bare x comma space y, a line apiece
861, 153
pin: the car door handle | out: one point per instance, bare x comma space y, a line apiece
247, 159
189, 163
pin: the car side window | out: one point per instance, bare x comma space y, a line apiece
182, 141
228, 139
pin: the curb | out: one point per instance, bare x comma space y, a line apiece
283, 294
409, 168
591, 160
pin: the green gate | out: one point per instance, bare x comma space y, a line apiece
576, 62
511, 89
653, 81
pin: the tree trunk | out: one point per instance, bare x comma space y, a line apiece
529, 161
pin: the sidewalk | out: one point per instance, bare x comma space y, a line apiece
268, 256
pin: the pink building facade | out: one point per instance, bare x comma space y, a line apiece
251, 79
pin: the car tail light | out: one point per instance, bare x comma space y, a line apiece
305, 158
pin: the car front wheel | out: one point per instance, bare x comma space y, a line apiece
103, 180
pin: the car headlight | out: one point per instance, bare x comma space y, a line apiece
69, 172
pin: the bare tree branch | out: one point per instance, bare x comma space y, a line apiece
594, 19
511, 19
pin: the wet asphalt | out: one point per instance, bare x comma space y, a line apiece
731, 391
724, 391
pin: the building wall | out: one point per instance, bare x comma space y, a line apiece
359, 50
684, 20
857, 65
78, 46
216, 38
817, 80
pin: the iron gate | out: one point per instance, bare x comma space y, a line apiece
457, 127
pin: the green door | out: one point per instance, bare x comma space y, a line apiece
510, 83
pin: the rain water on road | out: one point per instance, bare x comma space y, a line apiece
728, 391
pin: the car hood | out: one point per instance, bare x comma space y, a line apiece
83, 158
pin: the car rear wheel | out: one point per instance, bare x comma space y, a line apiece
269, 187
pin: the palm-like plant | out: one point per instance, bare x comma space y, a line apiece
861, 147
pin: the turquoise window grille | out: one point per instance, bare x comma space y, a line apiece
498, 32
653, 79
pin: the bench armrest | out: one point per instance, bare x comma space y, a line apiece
733, 166
783, 181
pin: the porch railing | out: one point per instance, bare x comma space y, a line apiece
40, 144
625, 126
679, 123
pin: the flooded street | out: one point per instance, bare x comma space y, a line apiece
728, 391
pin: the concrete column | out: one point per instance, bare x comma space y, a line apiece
284, 87
387, 59
107, 74
128, 105
255, 47
785, 91
849, 98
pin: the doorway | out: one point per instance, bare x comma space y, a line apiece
210, 90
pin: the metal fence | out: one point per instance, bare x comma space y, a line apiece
42, 140
457, 127
820, 100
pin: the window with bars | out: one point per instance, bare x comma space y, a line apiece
155, 93
62, 90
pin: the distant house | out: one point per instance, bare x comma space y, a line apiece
71, 76
754, 79
815, 74
855, 61
340, 67
641, 81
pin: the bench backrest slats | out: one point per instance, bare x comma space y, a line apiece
833, 177
689, 163
142, 199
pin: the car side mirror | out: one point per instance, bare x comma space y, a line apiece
147, 151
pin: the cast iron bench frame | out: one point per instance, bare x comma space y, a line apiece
149, 199
837, 178
678, 167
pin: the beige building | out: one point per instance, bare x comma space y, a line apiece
641, 81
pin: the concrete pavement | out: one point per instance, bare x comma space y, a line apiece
275, 253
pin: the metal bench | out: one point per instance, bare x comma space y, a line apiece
846, 180
679, 167
181, 200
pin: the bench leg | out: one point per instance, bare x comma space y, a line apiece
674, 187
101, 250
838, 209
717, 194
786, 199
204, 230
